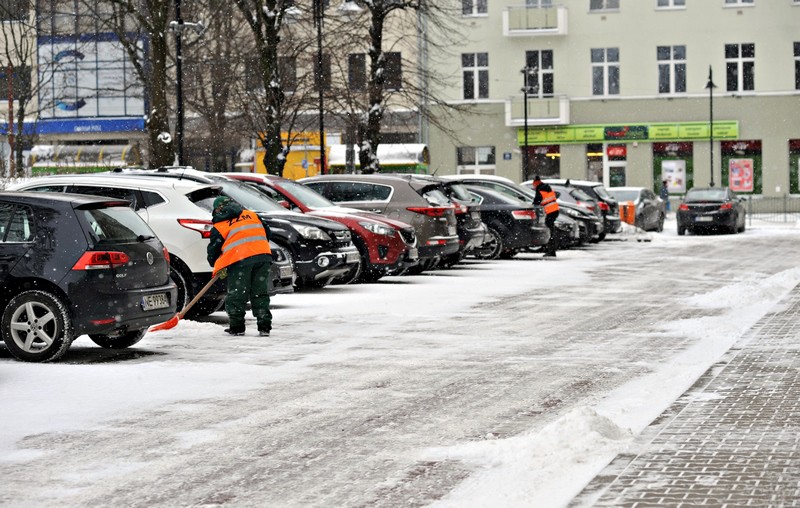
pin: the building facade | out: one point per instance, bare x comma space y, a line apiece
618, 91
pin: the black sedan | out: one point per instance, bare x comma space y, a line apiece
711, 208
513, 225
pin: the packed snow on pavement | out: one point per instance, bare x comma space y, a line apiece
401, 335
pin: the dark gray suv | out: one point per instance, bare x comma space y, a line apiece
416, 201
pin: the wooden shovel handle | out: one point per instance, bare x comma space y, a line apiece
198, 295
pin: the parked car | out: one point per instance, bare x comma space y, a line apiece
568, 232
650, 210
472, 232
173, 210
514, 225
78, 265
609, 208
591, 226
711, 208
578, 205
386, 245
416, 201
319, 250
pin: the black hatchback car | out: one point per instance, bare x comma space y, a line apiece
514, 225
711, 208
72, 265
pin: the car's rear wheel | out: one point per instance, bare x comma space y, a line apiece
37, 326
118, 341
681, 230
493, 247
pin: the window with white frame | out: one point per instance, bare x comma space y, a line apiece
797, 64
539, 65
740, 63
666, 4
473, 7
605, 71
739, 2
475, 160
671, 69
539, 3
475, 69
603, 5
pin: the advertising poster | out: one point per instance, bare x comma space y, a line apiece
674, 172
740, 175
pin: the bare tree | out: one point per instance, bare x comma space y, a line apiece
134, 21
18, 64
387, 28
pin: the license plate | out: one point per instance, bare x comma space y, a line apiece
476, 215
451, 230
413, 253
152, 302
703, 219
286, 271
352, 257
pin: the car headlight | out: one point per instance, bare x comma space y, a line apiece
377, 228
312, 233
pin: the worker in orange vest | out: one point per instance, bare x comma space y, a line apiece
240, 246
546, 197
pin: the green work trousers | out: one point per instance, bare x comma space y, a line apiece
249, 281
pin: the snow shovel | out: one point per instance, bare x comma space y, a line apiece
173, 321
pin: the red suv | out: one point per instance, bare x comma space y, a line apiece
386, 245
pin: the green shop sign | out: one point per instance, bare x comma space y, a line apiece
684, 131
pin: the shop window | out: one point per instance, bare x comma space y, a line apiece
543, 160
475, 160
794, 166
673, 163
741, 166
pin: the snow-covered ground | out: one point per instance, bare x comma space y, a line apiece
422, 340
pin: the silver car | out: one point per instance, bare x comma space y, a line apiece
416, 201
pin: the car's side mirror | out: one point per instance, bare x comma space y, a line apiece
285, 204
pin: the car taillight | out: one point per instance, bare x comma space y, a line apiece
201, 226
460, 208
604, 206
683, 207
726, 206
166, 254
431, 211
587, 205
100, 260
523, 214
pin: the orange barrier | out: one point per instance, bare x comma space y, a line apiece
627, 212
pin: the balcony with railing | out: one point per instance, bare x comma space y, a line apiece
542, 111
534, 20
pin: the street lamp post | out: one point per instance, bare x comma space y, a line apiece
177, 26
711, 86
318, 11
527, 88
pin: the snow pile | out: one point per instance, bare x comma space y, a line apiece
519, 469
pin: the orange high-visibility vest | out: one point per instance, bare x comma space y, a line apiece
549, 201
244, 237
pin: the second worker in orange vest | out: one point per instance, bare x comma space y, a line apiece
546, 197
239, 245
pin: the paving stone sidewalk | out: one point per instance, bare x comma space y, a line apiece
732, 440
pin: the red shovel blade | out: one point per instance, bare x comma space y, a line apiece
172, 323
